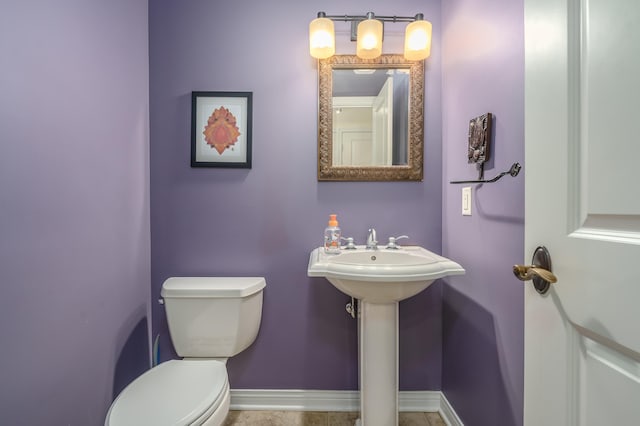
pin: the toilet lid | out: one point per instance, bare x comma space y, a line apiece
176, 392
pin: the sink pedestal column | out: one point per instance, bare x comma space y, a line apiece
378, 356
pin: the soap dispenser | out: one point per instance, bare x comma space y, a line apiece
332, 236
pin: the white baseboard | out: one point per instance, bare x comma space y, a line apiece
294, 400
448, 413
315, 400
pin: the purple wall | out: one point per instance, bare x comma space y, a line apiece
483, 71
266, 220
74, 207
74, 191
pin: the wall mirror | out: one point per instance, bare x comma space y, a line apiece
370, 118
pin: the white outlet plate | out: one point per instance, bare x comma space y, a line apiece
466, 201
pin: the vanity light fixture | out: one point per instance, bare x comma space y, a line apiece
322, 40
367, 30
369, 39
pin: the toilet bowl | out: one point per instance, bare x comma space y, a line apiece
210, 319
177, 392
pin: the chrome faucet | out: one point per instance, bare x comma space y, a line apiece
372, 242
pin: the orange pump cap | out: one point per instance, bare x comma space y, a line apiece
332, 220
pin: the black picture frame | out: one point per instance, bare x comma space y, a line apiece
221, 129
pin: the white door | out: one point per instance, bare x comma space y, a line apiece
352, 148
582, 113
352, 131
383, 125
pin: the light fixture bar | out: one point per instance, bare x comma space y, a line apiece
350, 18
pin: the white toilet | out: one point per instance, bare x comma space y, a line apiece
210, 320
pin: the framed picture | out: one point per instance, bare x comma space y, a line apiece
221, 129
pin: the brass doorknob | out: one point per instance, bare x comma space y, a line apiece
539, 271
526, 273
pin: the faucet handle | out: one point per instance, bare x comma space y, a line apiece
392, 242
350, 244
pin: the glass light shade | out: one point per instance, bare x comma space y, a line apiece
417, 40
369, 44
322, 40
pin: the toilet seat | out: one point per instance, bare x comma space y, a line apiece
177, 392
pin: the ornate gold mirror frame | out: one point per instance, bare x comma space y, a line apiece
413, 170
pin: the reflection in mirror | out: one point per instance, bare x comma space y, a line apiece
370, 118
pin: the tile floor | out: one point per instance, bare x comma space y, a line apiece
316, 418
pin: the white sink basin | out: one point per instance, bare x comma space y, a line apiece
381, 276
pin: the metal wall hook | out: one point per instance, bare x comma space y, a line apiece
513, 171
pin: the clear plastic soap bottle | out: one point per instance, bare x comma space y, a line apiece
332, 236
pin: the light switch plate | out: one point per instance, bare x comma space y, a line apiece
466, 201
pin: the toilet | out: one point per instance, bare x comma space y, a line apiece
210, 319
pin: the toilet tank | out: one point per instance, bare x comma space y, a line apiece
213, 317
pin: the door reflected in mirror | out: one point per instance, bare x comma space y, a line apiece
370, 118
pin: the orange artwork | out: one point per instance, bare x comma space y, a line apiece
221, 130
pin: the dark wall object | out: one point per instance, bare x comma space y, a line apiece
479, 138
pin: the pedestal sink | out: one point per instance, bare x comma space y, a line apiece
380, 279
